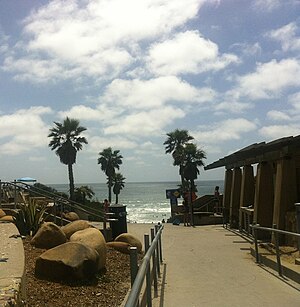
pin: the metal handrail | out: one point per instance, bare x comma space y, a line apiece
276, 232
54, 197
144, 269
206, 204
284, 232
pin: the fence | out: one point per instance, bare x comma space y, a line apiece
276, 232
151, 273
15, 188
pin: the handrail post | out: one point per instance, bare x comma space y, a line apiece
148, 274
0, 193
297, 205
133, 263
154, 256
157, 251
15, 193
160, 247
55, 212
279, 267
255, 242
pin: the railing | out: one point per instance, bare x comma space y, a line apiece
276, 232
138, 275
55, 198
206, 205
246, 214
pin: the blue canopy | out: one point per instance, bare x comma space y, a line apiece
26, 179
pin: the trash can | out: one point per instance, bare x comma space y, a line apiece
119, 226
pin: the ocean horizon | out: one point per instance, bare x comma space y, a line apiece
145, 202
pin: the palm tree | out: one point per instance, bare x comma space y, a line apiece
174, 145
118, 185
83, 192
193, 158
109, 161
66, 141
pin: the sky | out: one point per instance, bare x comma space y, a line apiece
133, 70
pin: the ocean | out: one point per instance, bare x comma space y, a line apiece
145, 202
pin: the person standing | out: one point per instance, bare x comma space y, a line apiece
186, 216
106, 205
217, 199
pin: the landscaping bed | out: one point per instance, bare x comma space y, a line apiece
109, 288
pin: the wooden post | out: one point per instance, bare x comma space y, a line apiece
235, 197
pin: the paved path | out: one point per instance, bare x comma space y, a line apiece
211, 266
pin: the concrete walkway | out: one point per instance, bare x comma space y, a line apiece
12, 288
211, 266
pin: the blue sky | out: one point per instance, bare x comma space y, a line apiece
132, 71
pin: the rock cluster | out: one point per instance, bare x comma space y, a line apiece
76, 251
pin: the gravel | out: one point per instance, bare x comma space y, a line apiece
106, 289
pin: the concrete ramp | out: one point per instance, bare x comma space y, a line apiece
212, 266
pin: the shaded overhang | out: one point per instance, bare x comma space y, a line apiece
259, 152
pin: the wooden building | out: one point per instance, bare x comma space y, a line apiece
262, 184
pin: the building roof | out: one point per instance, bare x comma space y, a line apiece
259, 152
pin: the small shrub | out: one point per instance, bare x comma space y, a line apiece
29, 217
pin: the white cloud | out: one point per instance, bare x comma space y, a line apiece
147, 94
275, 115
270, 79
287, 36
98, 39
97, 144
232, 106
248, 49
266, 5
82, 112
24, 130
3, 42
279, 131
294, 100
145, 123
187, 52
230, 129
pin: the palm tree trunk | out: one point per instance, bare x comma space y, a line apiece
192, 189
181, 175
109, 189
71, 181
117, 199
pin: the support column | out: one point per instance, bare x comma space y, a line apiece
264, 196
285, 191
247, 189
227, 194
235, 197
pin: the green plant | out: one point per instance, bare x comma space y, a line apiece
29, 217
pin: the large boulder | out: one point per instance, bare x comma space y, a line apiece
72, 227
2, 213
130, 239
93, 238
49, 235
121, 247
71, 216
67, 262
